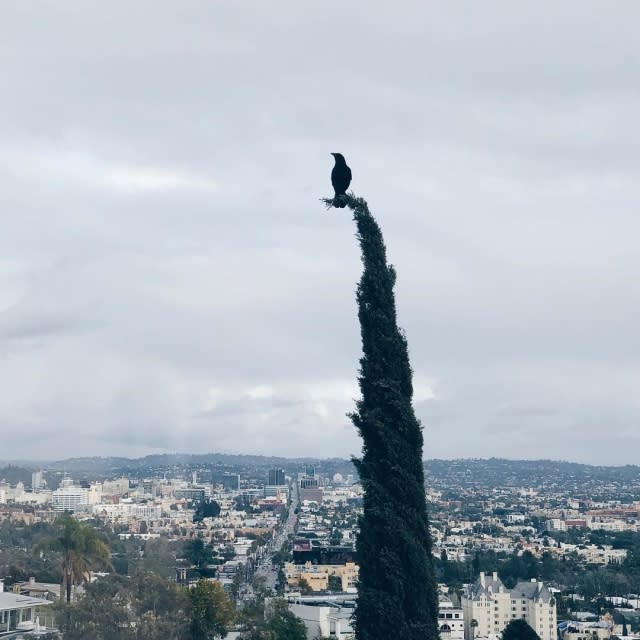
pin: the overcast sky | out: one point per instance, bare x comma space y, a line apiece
169, 280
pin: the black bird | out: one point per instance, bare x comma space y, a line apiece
340, 179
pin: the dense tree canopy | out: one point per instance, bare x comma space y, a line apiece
519, 630
198, 553
147, 607
397, 595
123, 608
207, 509
278, 624
80, 549
211, 610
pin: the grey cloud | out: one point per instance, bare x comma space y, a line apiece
162, 239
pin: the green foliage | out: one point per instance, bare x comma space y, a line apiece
159, 558
524, 567
256, 634
284, 625
279, 624
80, 548
17, 562
13, 534
335, 583
145, 607
519, 630
251, 616
237, 583
211, 611
259, 586
397, 595
567, 572
207, 509
197, 553
284, 555
153, 555
281, 581
305, 587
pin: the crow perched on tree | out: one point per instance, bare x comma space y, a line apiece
340, 179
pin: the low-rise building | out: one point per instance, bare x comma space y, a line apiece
606, 554
450, 621
19, 612
330, 616
326, 616
317, 575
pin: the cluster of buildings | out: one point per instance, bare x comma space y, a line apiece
326, 532
167, 506
320, 579
515, 520
485, 609
605, 518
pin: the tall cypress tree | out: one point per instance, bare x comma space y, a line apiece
397, 593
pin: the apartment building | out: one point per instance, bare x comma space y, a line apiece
489, 606
317, 575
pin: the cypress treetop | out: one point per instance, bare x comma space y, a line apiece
397, 593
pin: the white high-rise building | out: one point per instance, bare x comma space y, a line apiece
37, 481
68, 497
489, 607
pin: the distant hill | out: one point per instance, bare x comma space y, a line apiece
14, 474
499, 472
493, 472
209, 466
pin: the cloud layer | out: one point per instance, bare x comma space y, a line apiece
170, 282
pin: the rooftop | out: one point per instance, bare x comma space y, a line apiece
10, 601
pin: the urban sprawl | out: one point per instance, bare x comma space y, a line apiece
556, 544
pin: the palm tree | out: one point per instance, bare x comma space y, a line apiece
82, 551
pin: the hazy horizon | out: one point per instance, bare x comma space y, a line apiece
169, 279
18, 461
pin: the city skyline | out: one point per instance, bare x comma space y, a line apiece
169, 280
39, 464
